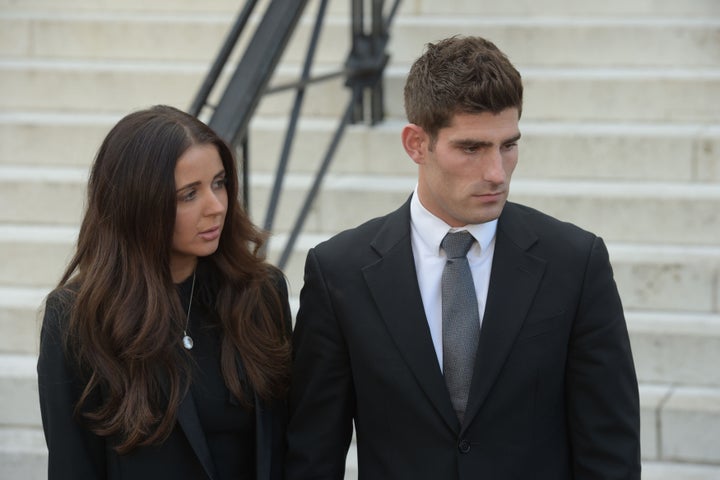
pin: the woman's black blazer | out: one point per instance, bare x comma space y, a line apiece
76, 453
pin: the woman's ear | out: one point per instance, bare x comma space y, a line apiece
415, 142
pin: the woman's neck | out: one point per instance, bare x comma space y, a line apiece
182, 268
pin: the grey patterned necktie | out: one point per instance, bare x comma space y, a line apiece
460, 319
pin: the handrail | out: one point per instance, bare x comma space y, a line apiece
252, 74
222, 58
362, 70
364, 66
294, 116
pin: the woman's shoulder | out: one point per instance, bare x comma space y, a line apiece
57, 306
64, 294
277, 278
61, 298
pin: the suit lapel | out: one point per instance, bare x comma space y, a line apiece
514, 280
263, 440
393, 284
189, 421
263, 427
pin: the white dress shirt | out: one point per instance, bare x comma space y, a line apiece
426, 233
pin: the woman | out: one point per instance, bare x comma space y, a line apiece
165, 348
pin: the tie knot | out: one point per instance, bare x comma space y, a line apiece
457, 244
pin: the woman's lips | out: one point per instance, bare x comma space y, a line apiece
210, 234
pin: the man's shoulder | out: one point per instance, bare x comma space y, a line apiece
362, 234
540, 222
554, 237
360, 241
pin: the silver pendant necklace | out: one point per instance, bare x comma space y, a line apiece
187, 340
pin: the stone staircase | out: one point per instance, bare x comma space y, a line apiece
621, 135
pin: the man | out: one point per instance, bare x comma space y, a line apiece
540, 382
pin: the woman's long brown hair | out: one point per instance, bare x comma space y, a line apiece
125, 315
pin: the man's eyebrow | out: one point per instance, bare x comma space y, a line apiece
469, 142
513, 139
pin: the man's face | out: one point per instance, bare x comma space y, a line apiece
464, 178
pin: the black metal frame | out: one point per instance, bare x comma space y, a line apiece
362, 70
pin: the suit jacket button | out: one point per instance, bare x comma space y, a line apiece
464, 446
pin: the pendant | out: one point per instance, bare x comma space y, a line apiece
187, 342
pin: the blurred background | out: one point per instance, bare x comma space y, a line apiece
621, 135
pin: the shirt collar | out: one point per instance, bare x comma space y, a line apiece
430, 230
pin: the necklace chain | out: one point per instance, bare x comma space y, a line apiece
187, 339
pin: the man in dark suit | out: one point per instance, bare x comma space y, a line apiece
551, 391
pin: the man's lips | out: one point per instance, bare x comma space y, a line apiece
492, 196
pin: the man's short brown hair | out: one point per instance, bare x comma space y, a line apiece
460, 75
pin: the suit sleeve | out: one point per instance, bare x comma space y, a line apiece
287, 314
602, 390
322, 398
280, 407
73, 451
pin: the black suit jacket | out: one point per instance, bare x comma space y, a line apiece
76, 453
554, 394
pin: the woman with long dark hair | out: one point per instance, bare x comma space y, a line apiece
165, 348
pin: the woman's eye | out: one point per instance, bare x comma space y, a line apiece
220, 183
188, 196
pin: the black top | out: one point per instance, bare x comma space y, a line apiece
214, 436
229, 427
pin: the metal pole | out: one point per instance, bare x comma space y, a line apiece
294, 116
222, 58
310, 198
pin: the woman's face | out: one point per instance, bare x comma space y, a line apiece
202, 202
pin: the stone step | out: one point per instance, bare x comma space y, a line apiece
23, 454
18, 389
650, 276
667, 277
560, 41
530, 8
35, 255
677, 346
691, 426
166, 6
679, 471
617, 95
542, 41
682, 348
21, 311
558, 94
680, 424
620, 212
680, 278
619, 8
561, 150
